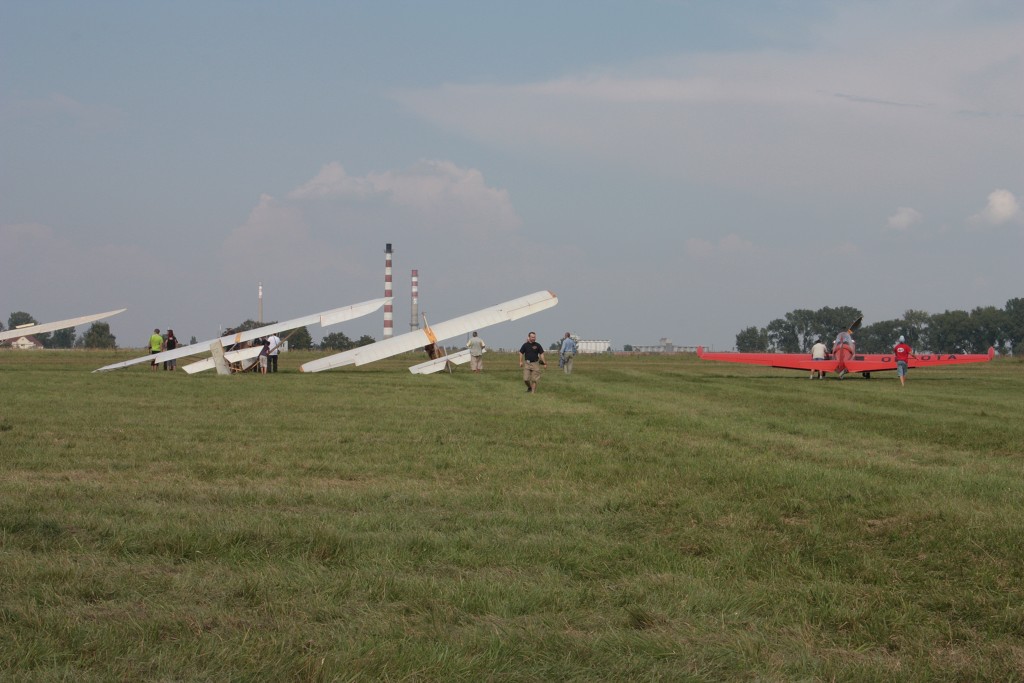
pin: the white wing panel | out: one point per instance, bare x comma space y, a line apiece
58, 325
438, 364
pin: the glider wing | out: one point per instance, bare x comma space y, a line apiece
58, 325
510, 310
324, 319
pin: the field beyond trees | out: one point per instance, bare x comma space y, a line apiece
647, 518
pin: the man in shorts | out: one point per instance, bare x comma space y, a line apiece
902, 352
531, 360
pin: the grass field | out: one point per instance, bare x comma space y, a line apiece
648, 518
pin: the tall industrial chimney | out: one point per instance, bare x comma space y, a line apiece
388, 321
259, 313
414, 318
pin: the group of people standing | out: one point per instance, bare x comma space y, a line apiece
267, 360
902, 351
159, 343
268, 353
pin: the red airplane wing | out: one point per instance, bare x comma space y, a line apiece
786, 361
859, 363
887, 361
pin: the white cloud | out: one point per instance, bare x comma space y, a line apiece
275, 238
441, 194
1002, 207
904, 218
846, 250
699, 248
857, 107
56, 106
333, 181
323, 233
730, 244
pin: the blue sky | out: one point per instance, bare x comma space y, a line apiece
670, 169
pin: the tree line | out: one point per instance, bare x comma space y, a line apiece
948, 332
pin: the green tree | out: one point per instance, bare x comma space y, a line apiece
61, 339
245, 326
879, 337
336, 341
915, 328
989, 327
802, 322
950, 332
1014, 311
831, 321
299, 339
628, 348
22, 318
782, 336
752, 340
365, 340
98, 336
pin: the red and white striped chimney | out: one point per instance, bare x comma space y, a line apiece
389, 323
414, 318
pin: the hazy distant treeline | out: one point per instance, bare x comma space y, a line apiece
948, 332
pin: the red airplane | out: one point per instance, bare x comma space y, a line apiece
845, 358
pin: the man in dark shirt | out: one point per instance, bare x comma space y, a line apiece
531, 358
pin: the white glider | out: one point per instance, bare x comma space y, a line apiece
439, 364
39, 328
510, 310
324, 319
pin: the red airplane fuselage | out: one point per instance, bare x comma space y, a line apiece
841, 353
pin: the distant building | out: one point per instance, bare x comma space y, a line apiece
664, 345
25, 343
593, 345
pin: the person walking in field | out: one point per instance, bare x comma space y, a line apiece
476, 348
531, 360
902, 352
566, 353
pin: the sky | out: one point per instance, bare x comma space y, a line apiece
679, 169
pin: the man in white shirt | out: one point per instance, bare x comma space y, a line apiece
818, 352
275, 342
476, 353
